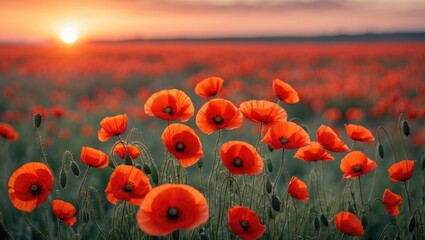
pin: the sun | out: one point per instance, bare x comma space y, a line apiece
69, 35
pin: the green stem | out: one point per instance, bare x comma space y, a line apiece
32, 225
82, 182
408, 198
46, 220
360, 190
59, 229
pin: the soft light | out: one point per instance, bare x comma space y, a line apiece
69, 35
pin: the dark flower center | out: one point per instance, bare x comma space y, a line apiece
244, 224
284, 141
168, 110
173, 213
179, 147
218, 120
35, 189
357, 168
128, 187
237, 162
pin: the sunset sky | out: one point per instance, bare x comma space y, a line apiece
38, 21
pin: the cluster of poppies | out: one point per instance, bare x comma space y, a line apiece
164, 207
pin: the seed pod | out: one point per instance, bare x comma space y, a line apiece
75, 169
324, 220
128, 160
269, 165
63, 178
147, 169
200, 163
380, 151
406, 128
269, 186
37, 120
412, 224
316, 223
111, 164
423, 163
138, 166
275, 203
154, 175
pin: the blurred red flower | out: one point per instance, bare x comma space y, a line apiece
8, 132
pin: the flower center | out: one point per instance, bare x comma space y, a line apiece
284, 141
179, 147
237, 162
218, 120
245, 225
128, 187
35, 189
173, 213
357, 168
168, 110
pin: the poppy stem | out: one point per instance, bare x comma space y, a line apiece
82, 182
317, 186
32, 225
336, 196
257, 145
382, 129
46, 220
59, 228
343, 236
360, 190
408, 198
352, 145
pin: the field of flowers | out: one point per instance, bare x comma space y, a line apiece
212, 141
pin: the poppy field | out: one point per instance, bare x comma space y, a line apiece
213, 141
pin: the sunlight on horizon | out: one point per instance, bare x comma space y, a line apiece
69, 35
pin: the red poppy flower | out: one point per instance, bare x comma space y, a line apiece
263, 111
313, 152
30, 185
349, 224
183, 143
355, 164
170, 104
217, 114
245, 223
94, 157
286, 135
285, 92
359, 133
127, 183
122, 150
402, 170
58, 111
241, 158
391, 202
329, 140
170, 207
65, 211
112, 126
209, 87
298, 189
8, 132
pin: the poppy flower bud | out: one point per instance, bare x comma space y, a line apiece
316, 223
406, 128
423, 163
138, 166
37, 120
275, 203
380, 151
269, 165
155, 175
128, 160
63, 178
412, 224
75, 169
324, 220
147, 169
268, 186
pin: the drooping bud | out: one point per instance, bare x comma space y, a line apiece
275, 203
412, 224
147, 169
63, 178
154, 175
128, 160
200, 163
324, 220
269, 186
406, 128
316, 223
269, 165
380, 151
37, 120
75, 168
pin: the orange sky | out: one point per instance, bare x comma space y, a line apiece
37, 21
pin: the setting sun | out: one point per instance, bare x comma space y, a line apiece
69, 35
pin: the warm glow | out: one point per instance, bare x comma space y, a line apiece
69, 35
